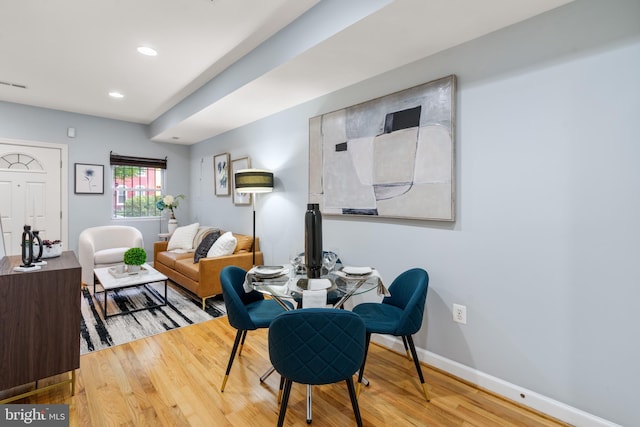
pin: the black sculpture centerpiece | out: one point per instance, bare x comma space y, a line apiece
28, 237
313, 241
27, 247
29, 261
37, 258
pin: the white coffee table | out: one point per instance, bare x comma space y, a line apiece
109, 282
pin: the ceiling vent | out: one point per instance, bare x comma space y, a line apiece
13, 85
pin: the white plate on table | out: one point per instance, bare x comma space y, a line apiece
357, 271
269, 271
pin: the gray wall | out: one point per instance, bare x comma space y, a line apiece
545, 246
95, 138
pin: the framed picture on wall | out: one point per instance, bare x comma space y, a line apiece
236, 165
89, 178
221, 174
390, 157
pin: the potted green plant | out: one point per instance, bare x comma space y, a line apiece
134, 258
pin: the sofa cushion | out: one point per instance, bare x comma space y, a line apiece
182, 237
188, 268
202, 232
225, 245
203, 248
169, 258
109, 256
244, 244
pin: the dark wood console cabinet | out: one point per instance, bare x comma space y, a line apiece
39, 320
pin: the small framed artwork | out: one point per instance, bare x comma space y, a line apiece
221, 174
89, 179
236, 165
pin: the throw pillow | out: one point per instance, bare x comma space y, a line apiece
202, 232
205, 245
225, 245
244, 243
182, 238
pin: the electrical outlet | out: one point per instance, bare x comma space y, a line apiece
460, 313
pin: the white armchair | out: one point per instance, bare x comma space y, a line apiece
104, 246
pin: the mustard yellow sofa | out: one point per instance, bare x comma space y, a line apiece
203, 278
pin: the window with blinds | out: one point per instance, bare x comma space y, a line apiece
137, 185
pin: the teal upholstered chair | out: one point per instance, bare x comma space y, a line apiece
399, 315
246, 311
317, 346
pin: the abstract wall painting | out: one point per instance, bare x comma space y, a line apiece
390, 157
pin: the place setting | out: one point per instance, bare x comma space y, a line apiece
363, 274
266, 275
269, 271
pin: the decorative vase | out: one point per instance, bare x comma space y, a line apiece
313, 241
51, 250
172, 225
133, 268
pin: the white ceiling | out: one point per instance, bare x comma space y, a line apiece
69, 54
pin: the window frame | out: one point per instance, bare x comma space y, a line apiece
142, 178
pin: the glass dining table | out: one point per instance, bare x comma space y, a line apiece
287, 282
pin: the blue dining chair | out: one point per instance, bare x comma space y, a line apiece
246, 311
317, 346
398, 315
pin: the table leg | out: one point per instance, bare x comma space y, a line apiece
309, 398
272, 369
165, 292
350, 293
278, 299
102, 306
266, 374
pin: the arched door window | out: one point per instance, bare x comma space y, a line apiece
20, 161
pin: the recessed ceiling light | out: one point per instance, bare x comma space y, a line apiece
117, 95
147, 51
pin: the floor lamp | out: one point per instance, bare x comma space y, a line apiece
253, 181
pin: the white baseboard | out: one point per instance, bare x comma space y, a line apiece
500, 387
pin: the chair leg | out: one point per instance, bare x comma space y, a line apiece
236, 342
354, 401
412, 347
244, 336
285, 401
406, 347
361, 372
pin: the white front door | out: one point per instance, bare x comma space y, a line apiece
30, 191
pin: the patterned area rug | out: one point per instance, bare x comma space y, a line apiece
97, 333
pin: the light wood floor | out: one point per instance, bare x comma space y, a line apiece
173, 379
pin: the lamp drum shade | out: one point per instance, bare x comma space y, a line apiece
253, 181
